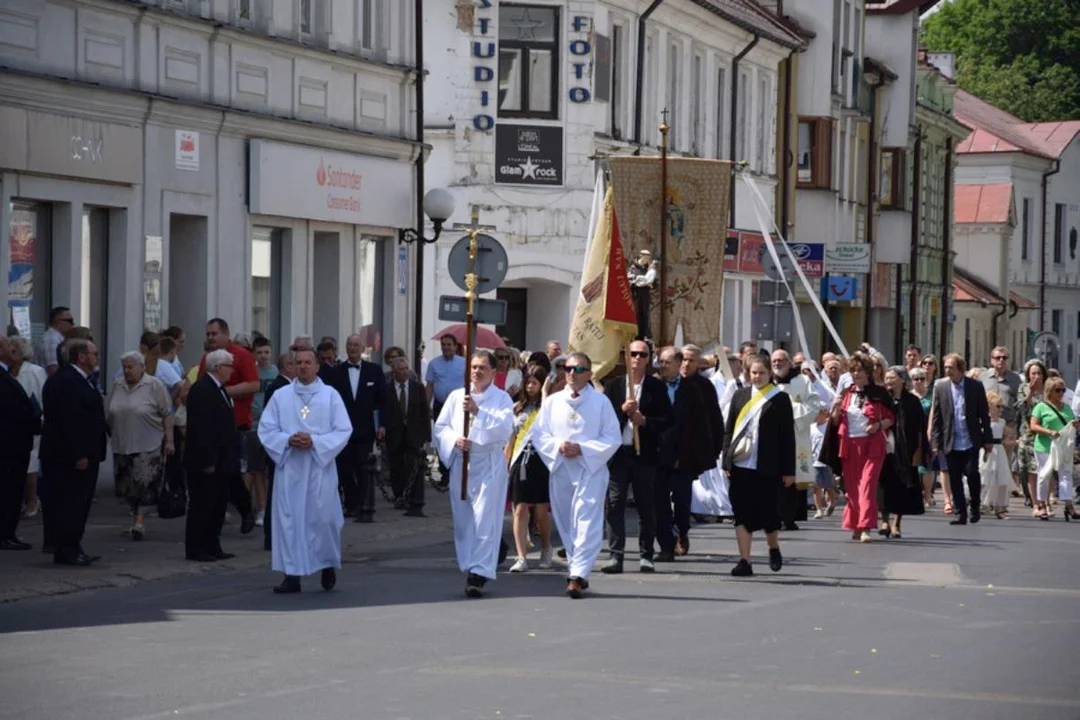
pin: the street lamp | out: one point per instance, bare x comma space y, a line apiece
439, 206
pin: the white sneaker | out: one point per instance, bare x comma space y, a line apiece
864, 537
545, 559
260, 519
818, 515
646, 566
522, 565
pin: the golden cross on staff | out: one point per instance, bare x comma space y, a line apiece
471, 281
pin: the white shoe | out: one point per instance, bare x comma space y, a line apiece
818, 515
545, 559
260, 519
522, 565
864, 537
646, 566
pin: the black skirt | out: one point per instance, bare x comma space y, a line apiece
755, 499
899, 492
529, 479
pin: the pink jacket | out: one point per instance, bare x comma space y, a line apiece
875, 411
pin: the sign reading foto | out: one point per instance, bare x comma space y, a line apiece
848, 258
306, 182
529, 155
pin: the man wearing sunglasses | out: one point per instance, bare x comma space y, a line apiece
1006, 383
575, 434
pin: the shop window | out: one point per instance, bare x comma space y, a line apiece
815, 153
370, 272
893, 178
266, 283
528, 61
30, 272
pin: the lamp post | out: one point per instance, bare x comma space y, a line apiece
438, 206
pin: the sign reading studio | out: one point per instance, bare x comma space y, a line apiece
529, 154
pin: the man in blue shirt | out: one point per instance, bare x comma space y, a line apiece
445, 374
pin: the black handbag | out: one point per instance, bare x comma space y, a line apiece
172, 500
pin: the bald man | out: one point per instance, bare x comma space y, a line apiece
362, 386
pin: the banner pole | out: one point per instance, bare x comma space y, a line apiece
662, 326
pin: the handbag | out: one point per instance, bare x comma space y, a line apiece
890, 442
172, 500
743, 446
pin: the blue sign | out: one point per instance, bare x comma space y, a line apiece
811, 258
839, 288
402, 270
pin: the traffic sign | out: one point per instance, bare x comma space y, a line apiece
485, 312
491, 263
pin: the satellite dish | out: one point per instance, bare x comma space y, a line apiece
1047, 347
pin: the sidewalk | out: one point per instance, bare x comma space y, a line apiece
161, 553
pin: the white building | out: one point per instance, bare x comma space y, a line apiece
169, 161
1042, 163
528, 97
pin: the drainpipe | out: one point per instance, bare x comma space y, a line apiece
994, 324
735, 120
946, 245
418, 320
1042, 264
913, 271
785, 146
871, 195
639, 103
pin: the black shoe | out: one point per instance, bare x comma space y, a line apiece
790, 526
89, 558
885, 532
415, 512
776, 560
665, 556
561, 552
204, 558
575, 586
247, 523
504, 550
474, 586
614, 566
222, 555
742, 569
14, 544
328, 579
76, 560
959, 521
365, 518
975, 517
288, 586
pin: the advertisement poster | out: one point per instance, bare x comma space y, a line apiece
21, 273
529, 155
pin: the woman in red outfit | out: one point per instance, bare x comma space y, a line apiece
861, 416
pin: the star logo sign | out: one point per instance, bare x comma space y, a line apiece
528, 168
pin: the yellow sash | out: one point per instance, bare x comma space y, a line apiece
755, 400
523, 433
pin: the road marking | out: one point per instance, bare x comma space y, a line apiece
209, 707
650, 681
936, 574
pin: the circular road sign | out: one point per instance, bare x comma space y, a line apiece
491, 263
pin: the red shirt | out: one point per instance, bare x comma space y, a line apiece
244, 371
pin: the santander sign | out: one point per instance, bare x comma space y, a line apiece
335, 178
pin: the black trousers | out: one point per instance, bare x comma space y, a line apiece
627, 472
12, 489
72, 494
239, 495
268, 519
965, 463
407, 475
356, 483
673, 488
444, 472
208, 497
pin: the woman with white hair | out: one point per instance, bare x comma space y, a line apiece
32, 378
139, 415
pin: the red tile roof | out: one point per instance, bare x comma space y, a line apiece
754, 18
983, 203
1022, 302
994, 130
968, 288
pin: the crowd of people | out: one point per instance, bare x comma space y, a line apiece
295, 444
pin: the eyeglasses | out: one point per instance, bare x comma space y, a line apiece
639, 354
927, 363
577, 369
502, 357
918, 379
999, 357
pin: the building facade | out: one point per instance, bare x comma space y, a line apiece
529, 98
167, 162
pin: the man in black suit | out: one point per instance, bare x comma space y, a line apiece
20, 421
286, 366
406, 428
72, 447
328, 360
210, 458
689, 446
362, 386
961, 428
647, 410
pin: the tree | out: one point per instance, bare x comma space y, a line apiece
1020, 55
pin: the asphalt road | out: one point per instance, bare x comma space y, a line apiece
976, 622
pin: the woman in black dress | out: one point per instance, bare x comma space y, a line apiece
759, 459
900, 491
528, 474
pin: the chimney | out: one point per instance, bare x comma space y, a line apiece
944, 62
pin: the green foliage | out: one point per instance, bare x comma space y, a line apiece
1020, 55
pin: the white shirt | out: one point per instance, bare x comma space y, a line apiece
857, 422
354, 378
221, 388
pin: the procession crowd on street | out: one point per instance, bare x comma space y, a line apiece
297, 443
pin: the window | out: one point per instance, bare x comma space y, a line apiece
528, 61
697, 130
305, 17
721, 114
741, 116
369, 18
243, 12
266, 245
762, 127
673, 95
1025, 232
836, 48
1059, 233
1057, 318
1078, 325
618, 40
815, 153
892, 191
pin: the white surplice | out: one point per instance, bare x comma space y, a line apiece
806, 405
478, 520
307, 517
578, 485
710, 491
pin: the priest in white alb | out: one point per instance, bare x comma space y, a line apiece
576, 433
478, 520
303, 429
